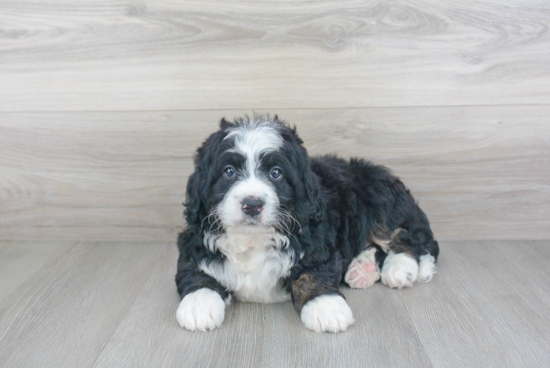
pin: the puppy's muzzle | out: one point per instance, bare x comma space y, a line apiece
252, 206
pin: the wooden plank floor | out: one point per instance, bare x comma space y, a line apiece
101, 304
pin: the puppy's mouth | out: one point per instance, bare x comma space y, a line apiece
251, 222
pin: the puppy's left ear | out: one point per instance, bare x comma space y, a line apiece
310, 205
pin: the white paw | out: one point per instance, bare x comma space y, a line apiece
327, 313
201, 310
426, 268
362, 271
399, 270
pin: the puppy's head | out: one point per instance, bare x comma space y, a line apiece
251, 173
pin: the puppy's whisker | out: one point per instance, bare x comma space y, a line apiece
285, 221
286, 212
213, 214
216, 225
206, 218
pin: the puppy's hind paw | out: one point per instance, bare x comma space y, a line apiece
327, 313
426, 268
202, 310
399, 270
362, 271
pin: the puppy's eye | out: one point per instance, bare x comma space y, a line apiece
276, 173
229, 172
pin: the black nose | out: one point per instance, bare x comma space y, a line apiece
252, 206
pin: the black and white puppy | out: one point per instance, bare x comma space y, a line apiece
266, 223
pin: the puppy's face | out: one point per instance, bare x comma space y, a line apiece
247, 176
250, 174
250, 177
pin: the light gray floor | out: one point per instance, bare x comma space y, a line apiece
86, 304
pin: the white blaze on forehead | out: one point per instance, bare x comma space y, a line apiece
252, 139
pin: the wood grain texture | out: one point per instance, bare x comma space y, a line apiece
478, 172
113, 304
19, 262
166, 344
64, 314
493, 306
164, 55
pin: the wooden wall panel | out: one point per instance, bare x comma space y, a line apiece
102, 104
118, 55
479, 172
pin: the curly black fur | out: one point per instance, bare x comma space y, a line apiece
339, 205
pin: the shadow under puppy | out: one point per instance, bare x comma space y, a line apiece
267, 223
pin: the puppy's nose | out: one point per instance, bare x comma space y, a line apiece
252, 206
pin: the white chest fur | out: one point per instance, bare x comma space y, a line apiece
254, 263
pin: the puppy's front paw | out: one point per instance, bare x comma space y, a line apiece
327, 313
202, 310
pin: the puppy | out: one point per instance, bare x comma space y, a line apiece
266, 223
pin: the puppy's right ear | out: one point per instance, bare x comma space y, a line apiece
193, 203
198, 184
